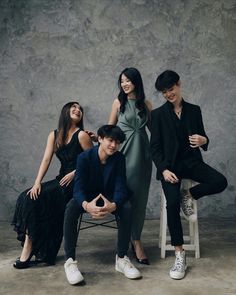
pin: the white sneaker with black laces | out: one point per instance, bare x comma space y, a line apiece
124, 266
73, 274
177, 271
187, 208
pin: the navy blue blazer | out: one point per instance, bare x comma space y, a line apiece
93, 178
164, 143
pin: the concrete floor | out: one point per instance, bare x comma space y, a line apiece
214, 273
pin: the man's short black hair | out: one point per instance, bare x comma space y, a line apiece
166, 80
111, 131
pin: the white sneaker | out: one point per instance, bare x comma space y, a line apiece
124, 266
177, 271
187, 208
73, 274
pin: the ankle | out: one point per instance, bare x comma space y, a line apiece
137, 244
179, 249
121, 257
25, 253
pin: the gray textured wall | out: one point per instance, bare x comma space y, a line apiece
52, 51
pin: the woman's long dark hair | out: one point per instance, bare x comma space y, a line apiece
64, 124
135, 77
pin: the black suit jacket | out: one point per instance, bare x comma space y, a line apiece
91, 180
164, 142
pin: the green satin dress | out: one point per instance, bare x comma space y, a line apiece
138, 162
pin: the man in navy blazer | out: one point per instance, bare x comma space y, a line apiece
100, 189
177, 134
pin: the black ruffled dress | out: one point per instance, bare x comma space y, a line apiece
42, 219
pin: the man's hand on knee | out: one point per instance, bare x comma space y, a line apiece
170, 176
108, 207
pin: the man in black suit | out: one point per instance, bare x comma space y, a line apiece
177, 133
100, 189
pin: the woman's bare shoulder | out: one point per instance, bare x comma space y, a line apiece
116, 103
83, 135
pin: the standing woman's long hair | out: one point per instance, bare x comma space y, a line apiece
135, 77
64, 124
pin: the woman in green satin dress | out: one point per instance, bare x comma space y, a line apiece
130, 111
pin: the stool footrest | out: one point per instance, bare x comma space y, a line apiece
93, 224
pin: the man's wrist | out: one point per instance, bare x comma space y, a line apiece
85, 205
114, 205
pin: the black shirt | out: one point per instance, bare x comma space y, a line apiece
185, 154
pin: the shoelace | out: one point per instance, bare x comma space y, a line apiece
73, 266
179, 264
128, 263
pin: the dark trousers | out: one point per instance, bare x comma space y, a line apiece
72, 214
210, 182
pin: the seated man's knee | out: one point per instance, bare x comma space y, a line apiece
72, 208
69, 204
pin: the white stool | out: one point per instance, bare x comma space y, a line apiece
191, 240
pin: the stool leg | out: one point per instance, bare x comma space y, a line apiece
163, 226
196, 232
79, 225
196, 240
191, 232
161, 221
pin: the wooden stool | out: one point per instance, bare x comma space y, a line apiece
191, 240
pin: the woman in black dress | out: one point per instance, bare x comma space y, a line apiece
39, 213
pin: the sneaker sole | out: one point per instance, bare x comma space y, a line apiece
127, 276
179, 277
75, 282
